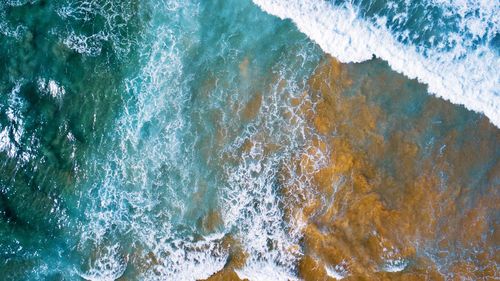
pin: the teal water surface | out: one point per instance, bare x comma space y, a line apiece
121, 124
110, 112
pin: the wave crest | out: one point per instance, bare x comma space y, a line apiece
461, 74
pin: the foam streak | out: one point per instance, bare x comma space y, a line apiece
471, 80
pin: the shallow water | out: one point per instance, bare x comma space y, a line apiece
159, 140
451, 46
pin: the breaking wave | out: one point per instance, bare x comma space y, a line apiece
452, 46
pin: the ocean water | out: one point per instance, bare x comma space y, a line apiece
452, 46
186, 140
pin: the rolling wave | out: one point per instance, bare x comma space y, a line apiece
449, 45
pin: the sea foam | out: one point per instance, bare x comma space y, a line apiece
461, 75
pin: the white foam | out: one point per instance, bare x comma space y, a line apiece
87, 45
337, 272
393, 262
142, 192
264, 271
148, 181
252, 204
11, 135
6, 145
467, 78
114, 30
51, 88
395, 265
108, 266
6, 27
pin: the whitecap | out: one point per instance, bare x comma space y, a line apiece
338, 271
395, 265
461, 75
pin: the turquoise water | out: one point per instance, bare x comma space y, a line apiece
121, 127
451, 46
111, 112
